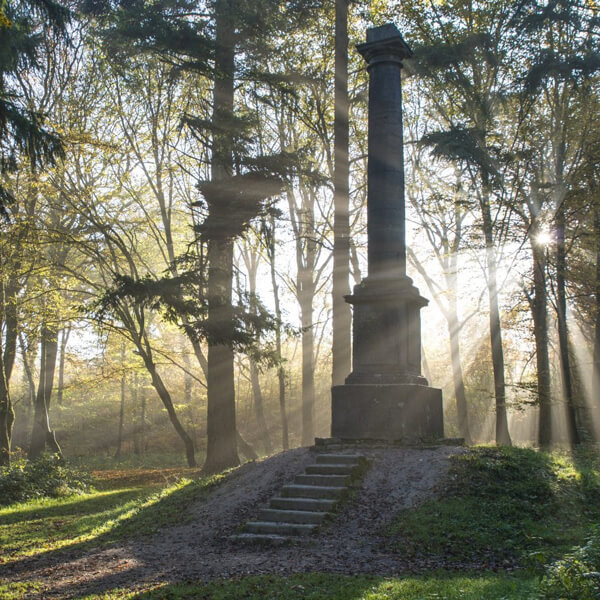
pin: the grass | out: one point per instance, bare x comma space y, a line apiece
504, 506
317, 586
42, 526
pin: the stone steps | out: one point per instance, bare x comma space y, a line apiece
302, 506
310, 504
322, 480
291, 516
327, 469
311, 491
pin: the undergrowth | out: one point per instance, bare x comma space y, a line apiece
47, 477
576, 576
501, 507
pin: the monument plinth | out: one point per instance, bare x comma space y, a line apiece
385, 396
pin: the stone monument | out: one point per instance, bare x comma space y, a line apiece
385, 396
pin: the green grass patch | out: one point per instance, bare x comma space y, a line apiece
317, 586
16, 591
499, 506
41, 526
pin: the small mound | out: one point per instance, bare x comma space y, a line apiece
199, 548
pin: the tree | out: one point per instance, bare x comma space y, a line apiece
24, 28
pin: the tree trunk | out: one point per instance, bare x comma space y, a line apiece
450, 312
563, 334
540, 330
595, 403
163, 394
341, 314
122, 407
64, 338
28, 374
457, 372
502, 434
306, 296
42, 435
251, 260
221, 446
7, 418
259, 411
8, 349
188, 382
143, 421
245, 448
280, 370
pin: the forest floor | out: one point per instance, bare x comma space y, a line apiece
127, 538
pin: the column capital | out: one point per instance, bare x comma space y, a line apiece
384, 43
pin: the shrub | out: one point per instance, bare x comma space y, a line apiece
577, 575
45, 477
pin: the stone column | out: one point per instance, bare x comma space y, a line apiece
384, 51
385, 396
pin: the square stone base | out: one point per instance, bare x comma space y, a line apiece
393, 412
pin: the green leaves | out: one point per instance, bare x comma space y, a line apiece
461, 144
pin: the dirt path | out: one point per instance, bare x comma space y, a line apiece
351, 543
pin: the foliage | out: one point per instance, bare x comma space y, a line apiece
499, 505
24, 27
45, 477
576, 576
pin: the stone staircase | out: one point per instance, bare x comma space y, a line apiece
302, 506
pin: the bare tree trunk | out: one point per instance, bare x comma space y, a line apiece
42, 435
64, 338
341, 316
187, 380
163, 394
540, 330
306, 296
8, 350
245, 448
270, 231
595, 404
457, 372
259, 411
450, 311
251, 259
28, 373
563, 334
221, 446
502, 434
122, 407
143, 421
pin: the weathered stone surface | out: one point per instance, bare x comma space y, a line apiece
394, 412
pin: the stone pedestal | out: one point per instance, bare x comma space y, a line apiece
386, 397
401, 412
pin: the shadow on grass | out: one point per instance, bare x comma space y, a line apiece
127, 514
320, 586
75, 505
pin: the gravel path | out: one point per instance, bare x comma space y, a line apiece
199, 550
